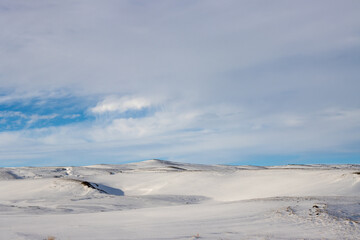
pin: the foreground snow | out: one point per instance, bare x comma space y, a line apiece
165, 200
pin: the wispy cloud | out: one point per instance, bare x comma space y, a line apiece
35, 118
72, 116
114, 104
8, 114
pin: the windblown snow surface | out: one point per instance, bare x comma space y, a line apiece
165, 200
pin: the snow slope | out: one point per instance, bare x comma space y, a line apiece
166, 200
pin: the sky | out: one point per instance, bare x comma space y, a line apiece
216, 82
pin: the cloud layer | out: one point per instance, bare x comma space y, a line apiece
203, 81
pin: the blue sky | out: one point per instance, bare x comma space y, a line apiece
227, 82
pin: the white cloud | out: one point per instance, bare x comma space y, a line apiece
72, 116
7, 114
35, 118
123, 104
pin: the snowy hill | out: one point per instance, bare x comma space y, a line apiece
158, 199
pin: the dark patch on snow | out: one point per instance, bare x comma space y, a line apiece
103, 188
177, 168
9, 175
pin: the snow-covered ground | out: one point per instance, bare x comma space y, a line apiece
165, 200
